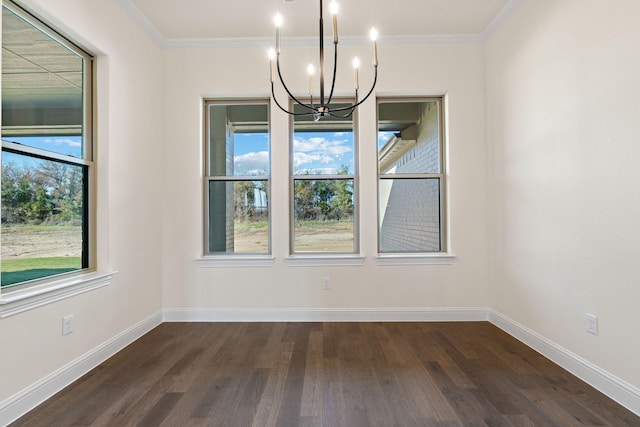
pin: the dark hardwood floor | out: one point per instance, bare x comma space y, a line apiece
328, 374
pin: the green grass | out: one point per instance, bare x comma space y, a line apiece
39, 227
23, 269
327, 223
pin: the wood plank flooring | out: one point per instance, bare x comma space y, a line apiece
328, 374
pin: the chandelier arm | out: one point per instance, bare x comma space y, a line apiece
340, 116
335, 65
273, 95
350, 109
357, 104
309, 107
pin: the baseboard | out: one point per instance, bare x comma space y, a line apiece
21, 403
408, 314
617, 389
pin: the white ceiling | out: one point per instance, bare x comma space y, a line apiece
183, 20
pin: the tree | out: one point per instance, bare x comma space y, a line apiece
324, 199
44, 191
65, 184
245, 200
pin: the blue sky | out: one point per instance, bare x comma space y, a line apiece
316, 152
67, 145
383, 137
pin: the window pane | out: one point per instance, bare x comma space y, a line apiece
409, 137
409, 212
238, 216
323, 212
325, 147
239, 140
43, 206
42, 89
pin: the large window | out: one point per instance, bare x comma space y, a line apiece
411, 177
237, 177
323, 185
47, 153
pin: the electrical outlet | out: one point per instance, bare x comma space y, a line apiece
67, 324
325, 283
591, 324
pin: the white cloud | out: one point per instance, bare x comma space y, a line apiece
300, 159
383, 137
321, 146
64, 141
252, 162
317, 171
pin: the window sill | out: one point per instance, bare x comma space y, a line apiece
14, 302
417, 259
235, 261
324, 260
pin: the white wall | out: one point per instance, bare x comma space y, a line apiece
455, 71
129, 213
563, 136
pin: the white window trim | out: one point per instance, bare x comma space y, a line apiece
425, 258
49, 289
18, 301
323, 260
231, 259
417, 259
221, 261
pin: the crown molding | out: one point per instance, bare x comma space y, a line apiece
141, 19
306, 42
502, 16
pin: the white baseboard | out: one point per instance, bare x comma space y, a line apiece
21, 403
617, 389
412, 314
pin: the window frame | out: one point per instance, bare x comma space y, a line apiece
87, 161
230, 259
35, 293
443, 256
333, 257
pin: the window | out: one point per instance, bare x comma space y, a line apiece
237, 177
47, 153
411, 178
323, 183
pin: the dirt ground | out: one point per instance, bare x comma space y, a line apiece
41, 242
30, 242
332, 237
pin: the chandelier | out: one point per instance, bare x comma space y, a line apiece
322, 107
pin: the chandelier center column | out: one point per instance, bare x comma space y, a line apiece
321, 57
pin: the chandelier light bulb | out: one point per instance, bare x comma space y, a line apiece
311, 71
278, 20
356, 65
373, 34
333, 7
272, 55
